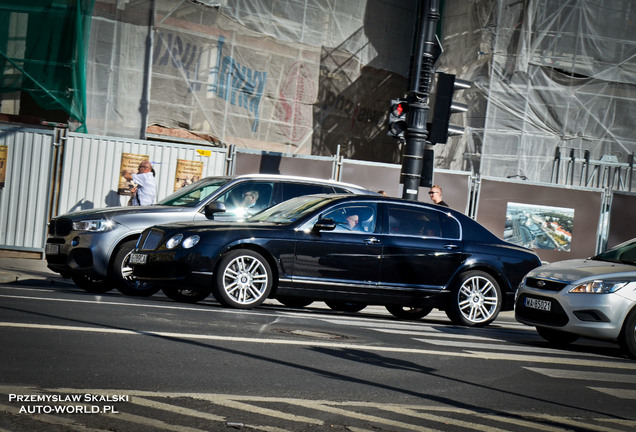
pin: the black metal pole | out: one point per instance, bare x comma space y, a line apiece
417, 98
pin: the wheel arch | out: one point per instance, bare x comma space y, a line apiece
273, 265
113, 252
491, 270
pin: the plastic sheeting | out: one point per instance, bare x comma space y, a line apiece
548, 74
301, 76
290, 76
43, 56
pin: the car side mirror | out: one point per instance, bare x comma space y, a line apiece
325, 224
214, 207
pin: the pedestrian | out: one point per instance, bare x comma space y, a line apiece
144, 191
436, 195
383, 193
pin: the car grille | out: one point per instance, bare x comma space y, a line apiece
545, 284
150, 239
555, 317
60, 227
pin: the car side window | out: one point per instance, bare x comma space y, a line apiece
247, 198
422, 222
293, 190
354, 217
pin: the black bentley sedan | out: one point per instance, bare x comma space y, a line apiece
348, 251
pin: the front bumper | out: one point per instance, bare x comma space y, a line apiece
84, 253
175, 268
598, 316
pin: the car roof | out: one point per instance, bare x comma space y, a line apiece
279, 177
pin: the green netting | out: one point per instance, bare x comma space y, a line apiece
43, 52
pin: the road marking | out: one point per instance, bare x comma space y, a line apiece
585, 375
52, 420
448, 416
619, 393
502, 346
341, 345
175, 409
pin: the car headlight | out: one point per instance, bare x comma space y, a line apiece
93, 225
598, 287
191, 241
174, 241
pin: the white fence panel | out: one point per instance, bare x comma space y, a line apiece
25, 196
92, 164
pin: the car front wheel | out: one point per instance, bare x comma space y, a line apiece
409, 313
475, 301
627, 338
186, 295
243, 279
122, 274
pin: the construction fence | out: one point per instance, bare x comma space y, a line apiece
45, 173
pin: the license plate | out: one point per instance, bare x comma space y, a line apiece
52, 249
138, 258
532, 303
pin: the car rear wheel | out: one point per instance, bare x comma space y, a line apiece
342, 306
243, 279
556, 337
627, 338
186, 295
295, 302
475, 301
91, 285
409, 313
122, 274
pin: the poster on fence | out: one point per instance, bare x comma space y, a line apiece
539, 226
4, 150
187, 173
129, 163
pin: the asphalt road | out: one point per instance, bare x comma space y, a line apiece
77, 361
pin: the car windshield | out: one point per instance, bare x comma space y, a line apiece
192, 195
624, 253
291, 210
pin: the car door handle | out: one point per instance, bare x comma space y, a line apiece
372, 240
451, 246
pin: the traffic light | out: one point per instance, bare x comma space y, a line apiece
397, 118
440, 128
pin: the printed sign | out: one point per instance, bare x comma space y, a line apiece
129, 163
4, 150
187, 173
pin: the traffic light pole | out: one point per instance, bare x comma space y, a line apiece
424, 58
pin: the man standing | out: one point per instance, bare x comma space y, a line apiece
145, 190
436, 195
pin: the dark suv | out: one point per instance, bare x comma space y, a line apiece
92, 246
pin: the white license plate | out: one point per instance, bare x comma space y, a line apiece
137, 258
52, 249
532, 303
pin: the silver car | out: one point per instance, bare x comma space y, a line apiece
93, 246
594, 298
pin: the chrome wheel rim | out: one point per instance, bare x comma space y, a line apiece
245, 279
478, 299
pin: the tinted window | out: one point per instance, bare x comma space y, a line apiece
192, 195
353, 217
410, 220
293, 190
247, 197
